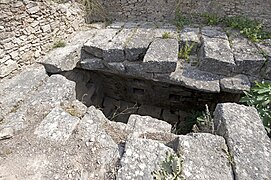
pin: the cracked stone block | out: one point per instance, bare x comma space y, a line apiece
248, 59
36, 106
215, 54
162, 56
247, 140
196, 79
22, 86
190, 37
235, 84
66, 58
7, 67
204, 157
98, 44
92, 64
148, 124
57, 126
141, 158
137, 45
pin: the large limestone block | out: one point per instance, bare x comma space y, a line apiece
247, 57
141, 158
235, 84
204, 157
66, 58
144, 124
247, 140
57, 126
162, 56
35, 107
13, 91
216, 55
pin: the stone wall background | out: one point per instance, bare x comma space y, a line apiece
29, 28
165, 9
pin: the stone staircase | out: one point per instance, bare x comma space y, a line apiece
45, 133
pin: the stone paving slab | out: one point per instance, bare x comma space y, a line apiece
161, 56
56, 90
57, 126
247, 57
98, 44
136, 46
248, 143
235, 84
141, 158
147, 124
15, 90
216, 56
204, 157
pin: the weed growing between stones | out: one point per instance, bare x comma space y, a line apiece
259, 97
211, 19
59, 44
185, 51
166, 35
171, 168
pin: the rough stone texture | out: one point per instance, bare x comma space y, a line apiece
29, 29
204, 157
98, 44
56, 90
141, 158
196, 79
92, 64
6, 133
21, 86
191, 37
216, 55
7, 67
235, 84
57, 126
136, 46
162, 56
144, 124
66, 58
246, 138
247, 57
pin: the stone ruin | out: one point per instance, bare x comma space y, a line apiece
55, 123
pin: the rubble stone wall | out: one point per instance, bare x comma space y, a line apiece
29, 28
165, 9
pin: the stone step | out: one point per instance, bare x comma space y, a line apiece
35, 107
248, 143
14, 91
141, 158
204, 157
161, 56
248, 59
216, 55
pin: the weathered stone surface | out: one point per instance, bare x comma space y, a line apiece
246, 138
141, 158
235, 84
153, 111
205, 157
98, 44
6, 133
171, 31
196, 79
136, 46
216, 55
13, 91
137, 70
66, 58
144, 124
162, 56
92, 64
57, 126
247, 57
7, 68
56, 90
190, 37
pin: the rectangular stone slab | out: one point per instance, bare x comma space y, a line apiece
136, 46
215, 54
247, 140
247, 57
97, 44
204, 157
162, 56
